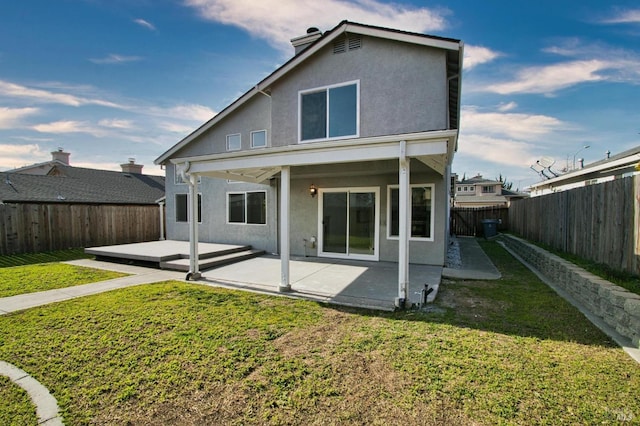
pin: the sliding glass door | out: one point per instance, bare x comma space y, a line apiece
349, 220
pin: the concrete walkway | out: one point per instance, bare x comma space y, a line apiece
46, 404
466, 260
138, 276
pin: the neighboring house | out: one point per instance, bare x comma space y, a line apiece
58, 158
78, 207
612, 167
480, 192
343, 152
67, 184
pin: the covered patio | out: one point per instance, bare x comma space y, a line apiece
433, 149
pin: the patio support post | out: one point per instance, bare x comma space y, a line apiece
403, 231
161, 207
194, 271
285, 194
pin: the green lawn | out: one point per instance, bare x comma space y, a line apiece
489, 352
46, 257
16, 408
48, 276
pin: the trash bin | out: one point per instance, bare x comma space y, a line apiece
490, 227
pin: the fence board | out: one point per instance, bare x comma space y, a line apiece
596, 222
33, 227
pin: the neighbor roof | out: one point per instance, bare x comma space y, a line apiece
80, 185
454, 65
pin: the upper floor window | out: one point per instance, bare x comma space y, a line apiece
259, 139
329, 112
234, 142
488, 189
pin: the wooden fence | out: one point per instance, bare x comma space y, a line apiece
596, 222
468, 220
32, 228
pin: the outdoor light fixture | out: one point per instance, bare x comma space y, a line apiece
313, 190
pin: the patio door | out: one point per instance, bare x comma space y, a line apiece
348, 225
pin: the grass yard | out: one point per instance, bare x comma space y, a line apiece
17, 408
489, 352
48, 276
45, 257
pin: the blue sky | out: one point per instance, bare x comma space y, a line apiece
112, 79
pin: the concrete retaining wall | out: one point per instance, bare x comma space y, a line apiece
617, 307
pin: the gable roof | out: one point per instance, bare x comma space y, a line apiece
79, 185
454, 66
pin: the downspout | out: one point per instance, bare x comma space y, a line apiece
192, 180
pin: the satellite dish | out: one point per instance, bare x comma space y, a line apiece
546, 162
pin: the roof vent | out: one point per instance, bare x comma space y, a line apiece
355, 43
345, 44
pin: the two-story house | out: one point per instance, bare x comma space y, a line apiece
479, 192
344, 152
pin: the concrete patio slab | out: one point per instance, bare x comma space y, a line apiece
161, 251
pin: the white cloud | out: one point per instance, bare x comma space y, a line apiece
476, 55
551, 78
116, 59
13, 90
12, 117
14, 156
188, 112
146, 24
631, 16
176, 128
510, 125
277, 21
70, 126
509, 152
510, 106
116, 123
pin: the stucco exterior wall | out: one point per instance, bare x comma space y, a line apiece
214, 226
304, 210
394, 78
252, 116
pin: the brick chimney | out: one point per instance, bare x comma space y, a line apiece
132, 167
302, 42
60, 156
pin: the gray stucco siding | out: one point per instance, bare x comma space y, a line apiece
304, 208
253, 116
214, 226
403, 88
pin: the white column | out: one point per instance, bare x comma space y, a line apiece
403, 231
285, 193
161, 207
194, 271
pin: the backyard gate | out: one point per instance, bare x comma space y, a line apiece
467, 221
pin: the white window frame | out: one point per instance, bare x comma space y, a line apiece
433, 218
266, 219
175, 199
239, 135
265, 139
326, 89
